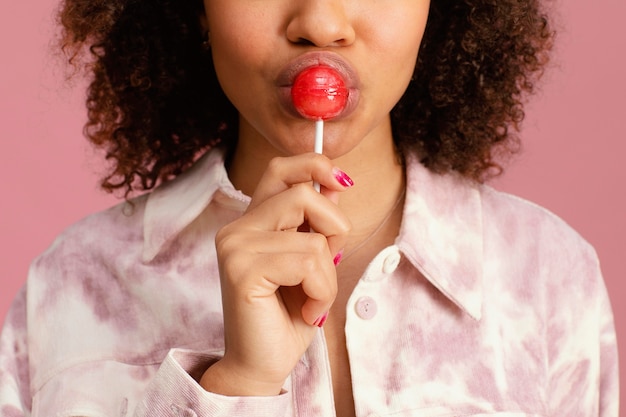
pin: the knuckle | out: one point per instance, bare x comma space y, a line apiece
274, 167
225, 240
302, 192
333, 290
329, 290
345, 226
236, 269
308, 264
320, 164
320, 159
230, 266
232, 252
301, 189
318, 244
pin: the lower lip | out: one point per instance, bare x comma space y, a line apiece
284, 97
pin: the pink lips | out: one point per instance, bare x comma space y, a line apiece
337, 63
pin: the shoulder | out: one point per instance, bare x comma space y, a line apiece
510, 210
99, 236
524, 230
507, 229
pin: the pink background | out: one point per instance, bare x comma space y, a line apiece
572, 162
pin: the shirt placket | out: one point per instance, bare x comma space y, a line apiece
366, 315
312, 382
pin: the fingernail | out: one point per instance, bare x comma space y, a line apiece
338, 257
321, 320
342, 178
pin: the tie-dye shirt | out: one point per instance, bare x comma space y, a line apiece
486, 305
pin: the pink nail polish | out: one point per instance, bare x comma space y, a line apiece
343, 178
338, 257
321, 320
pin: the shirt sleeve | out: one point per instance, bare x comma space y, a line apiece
175, 391
609, 367
582, 348
172, 392
15, 398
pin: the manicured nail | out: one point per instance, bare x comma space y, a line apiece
342, 178
338, 257
321, 320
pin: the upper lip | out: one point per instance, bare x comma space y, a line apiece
330, 59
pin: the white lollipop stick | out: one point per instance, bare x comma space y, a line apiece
319, 144
319, 136
318, 148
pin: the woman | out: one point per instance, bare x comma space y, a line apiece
437, 296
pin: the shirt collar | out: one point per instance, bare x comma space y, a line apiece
441, 235
174, 205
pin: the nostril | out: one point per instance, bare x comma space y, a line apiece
320, 24
304, 42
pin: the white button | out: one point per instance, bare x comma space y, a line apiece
391, 262
366, 308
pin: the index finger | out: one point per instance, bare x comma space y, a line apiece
284, 172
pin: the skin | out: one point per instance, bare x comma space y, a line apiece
277, 282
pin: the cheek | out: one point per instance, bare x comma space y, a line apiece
397, 32
242, 48
398, 45
389, 75
233, 62
407, 40
393, 38
231, 49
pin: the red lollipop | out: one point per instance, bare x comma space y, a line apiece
319, 93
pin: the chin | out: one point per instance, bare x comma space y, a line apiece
299, 138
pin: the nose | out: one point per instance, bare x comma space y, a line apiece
321, 23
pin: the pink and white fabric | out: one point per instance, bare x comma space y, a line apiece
486, 305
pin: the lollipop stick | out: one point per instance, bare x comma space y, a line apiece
319, 144
319, 136
318, 147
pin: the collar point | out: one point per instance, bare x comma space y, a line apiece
148, 255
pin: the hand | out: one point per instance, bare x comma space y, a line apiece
277, 283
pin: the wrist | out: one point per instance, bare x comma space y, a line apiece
222, 379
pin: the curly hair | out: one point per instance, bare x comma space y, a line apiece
154, 103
